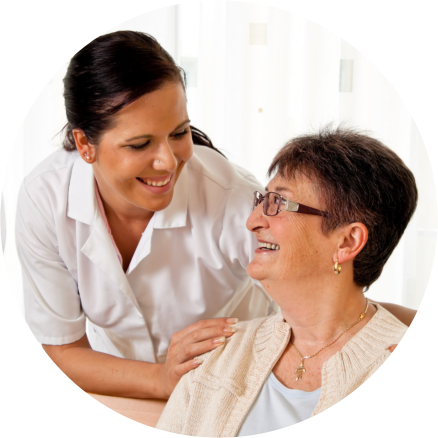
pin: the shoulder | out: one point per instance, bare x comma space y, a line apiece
48, 183
209, 165
385, 326
233, 371
221, 187
60, 160
248, 342
382, 330
369, 346
349, 368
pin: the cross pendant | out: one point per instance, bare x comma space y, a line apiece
299, 372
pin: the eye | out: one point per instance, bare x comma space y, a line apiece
139, 147
178, 135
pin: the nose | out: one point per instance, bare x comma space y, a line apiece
164, 158
257, 220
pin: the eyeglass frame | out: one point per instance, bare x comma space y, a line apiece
291, 206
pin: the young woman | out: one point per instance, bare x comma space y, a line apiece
135, 227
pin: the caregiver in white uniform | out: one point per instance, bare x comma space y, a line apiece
166, 248
133, 230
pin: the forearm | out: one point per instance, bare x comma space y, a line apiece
102, 373
109, 375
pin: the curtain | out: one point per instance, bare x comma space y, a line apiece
256, 77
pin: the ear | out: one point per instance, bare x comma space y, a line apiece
352, 239
86, 150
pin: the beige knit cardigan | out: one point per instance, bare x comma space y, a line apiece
214, 399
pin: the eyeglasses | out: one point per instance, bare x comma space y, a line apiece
273, 202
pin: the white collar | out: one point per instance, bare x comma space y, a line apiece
82, 204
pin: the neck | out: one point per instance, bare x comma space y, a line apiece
317, 316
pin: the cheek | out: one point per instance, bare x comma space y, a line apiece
127, 169
107, 169
299, 244
188, 149
119, 166
185, 151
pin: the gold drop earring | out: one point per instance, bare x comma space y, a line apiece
337, 268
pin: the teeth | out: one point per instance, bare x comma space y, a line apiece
271, 246
156, 183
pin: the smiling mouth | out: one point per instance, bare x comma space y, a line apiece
155, 183
271, 246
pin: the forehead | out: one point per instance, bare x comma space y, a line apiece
300, 188
155, 114
165, 106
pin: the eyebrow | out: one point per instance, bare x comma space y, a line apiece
279, 189
149, 135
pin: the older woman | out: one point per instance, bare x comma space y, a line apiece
334, 211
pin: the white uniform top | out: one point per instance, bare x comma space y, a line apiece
2, 223
190, 262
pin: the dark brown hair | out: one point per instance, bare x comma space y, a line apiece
110, 73
359, 180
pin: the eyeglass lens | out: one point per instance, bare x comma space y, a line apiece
271, 202
258, 197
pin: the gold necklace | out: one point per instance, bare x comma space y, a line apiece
300, 370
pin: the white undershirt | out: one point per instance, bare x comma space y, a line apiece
278, 406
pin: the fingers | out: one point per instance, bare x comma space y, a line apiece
199, 340
187, 366
189, 361
392, 347
195, 340
219, 323
208, 333
189, 351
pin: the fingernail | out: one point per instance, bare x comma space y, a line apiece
232, 320
220, 340
197, 361
230, 329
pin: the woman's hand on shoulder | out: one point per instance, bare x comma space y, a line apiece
187, 344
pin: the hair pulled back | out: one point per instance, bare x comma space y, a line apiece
108, 74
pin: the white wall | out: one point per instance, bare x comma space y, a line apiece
256, 77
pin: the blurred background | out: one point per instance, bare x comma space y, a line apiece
256, 77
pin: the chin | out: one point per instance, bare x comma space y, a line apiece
255, 271
158, 205
154, 203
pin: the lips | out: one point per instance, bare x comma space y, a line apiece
156, 182
157, 185
269, 246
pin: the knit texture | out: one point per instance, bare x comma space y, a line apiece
214, 399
